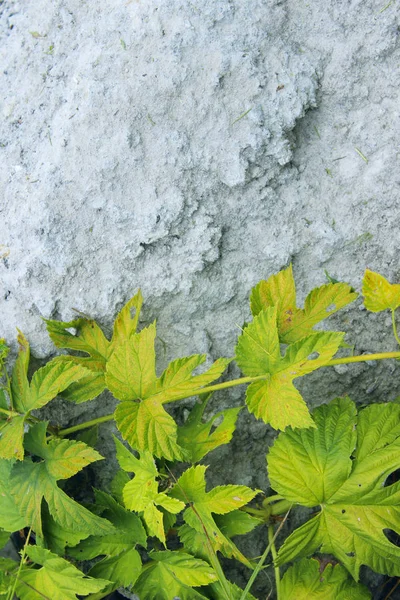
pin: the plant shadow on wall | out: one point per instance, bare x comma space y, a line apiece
162, 535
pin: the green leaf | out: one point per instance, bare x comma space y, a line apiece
19, 379
4, 351
8, 569
125, 324
33, 481
55, 537
46, 384
196, 438
131, 370
236, 522
191, 489
122, 570
57, 579
218, 593
89, 338
307, 581
4, 537
141, 493
148, 427
11, 519
295, 323
274, 399
87, 388
378, 293
11, 438
117, 485
129, 532
52, 379
173, 574
177, 379
131, 377
342, 465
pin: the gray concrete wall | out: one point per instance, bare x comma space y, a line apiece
192, 149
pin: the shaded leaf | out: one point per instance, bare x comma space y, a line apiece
11, 519
87, 388
196, 437
122, 570
173, 574
33, 481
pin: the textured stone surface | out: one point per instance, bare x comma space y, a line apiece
192, 149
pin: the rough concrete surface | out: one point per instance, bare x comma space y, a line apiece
192, 149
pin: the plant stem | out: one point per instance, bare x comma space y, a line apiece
262, 560
271, 540
226, 385
219, 386
362, 358
10, 413
10, 594
396, 335
85, 425
273, 498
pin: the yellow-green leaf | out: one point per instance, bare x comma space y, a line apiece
196, 438
126, 324
378, 293
57, 578
147, 426
131, 371
52, 379
295, 323
11, 438
191, 489
19, 380
274, 399
141, 493
88, 338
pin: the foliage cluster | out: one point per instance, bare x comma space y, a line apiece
162, 536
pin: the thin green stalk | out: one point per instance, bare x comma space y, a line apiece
11, 592
85, 425
273, 498
227, 385
262, 560
212, 554
10, 413
396, 335
362, 358
218, 386
274, 553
